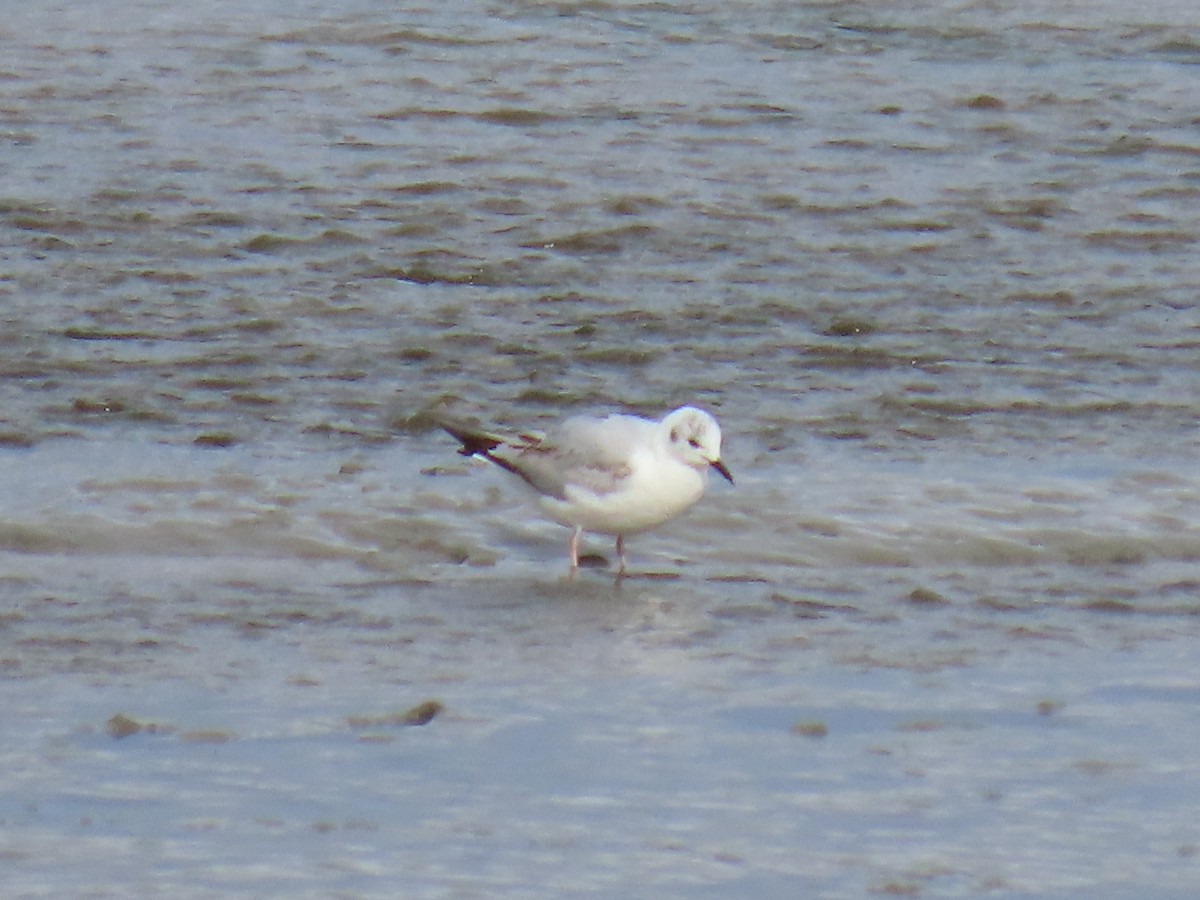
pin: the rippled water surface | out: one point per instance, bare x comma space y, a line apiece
933, 266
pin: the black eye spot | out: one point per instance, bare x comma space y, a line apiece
695, 443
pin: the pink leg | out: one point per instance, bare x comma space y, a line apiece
573, 549
620, 554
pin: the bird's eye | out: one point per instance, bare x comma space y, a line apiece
695, 443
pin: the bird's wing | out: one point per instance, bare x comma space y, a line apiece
594, 454
583, 453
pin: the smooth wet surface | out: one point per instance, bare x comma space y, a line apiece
262, 631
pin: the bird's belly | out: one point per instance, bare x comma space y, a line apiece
637, 506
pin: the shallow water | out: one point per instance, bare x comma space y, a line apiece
931, 266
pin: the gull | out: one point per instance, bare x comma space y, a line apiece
618, 475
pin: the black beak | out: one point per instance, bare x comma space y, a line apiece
720, 467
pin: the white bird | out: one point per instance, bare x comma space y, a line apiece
618, 475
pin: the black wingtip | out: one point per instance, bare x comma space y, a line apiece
474, 442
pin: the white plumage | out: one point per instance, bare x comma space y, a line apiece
618, 475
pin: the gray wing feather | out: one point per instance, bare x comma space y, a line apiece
587, 453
